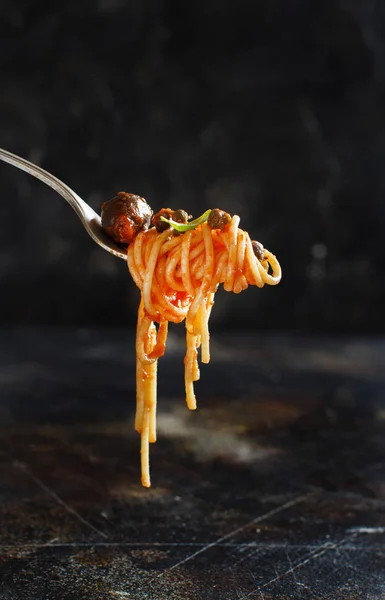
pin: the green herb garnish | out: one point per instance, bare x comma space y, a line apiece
187, 226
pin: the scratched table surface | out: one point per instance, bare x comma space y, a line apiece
273, 488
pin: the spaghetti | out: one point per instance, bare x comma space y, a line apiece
178, 276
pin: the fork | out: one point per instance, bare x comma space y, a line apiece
89, 218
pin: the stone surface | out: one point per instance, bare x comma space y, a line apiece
273, 488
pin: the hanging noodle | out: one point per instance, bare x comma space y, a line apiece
178, 277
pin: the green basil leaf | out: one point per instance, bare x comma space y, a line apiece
187, 226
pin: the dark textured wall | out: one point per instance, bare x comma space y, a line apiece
271, 109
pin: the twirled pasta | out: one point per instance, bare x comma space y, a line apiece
178, 277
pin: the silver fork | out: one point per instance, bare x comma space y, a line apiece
90, 219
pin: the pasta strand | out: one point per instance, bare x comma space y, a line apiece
178, 277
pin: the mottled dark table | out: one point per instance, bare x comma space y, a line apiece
273, 488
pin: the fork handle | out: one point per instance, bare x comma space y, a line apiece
82, 209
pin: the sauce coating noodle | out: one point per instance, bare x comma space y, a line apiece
178, 277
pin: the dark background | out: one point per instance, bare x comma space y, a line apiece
271, 109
